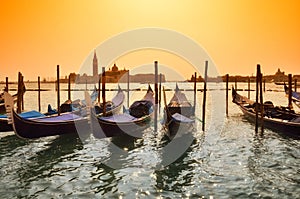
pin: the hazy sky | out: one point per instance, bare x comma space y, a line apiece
36, 35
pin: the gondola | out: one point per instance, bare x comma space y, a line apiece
65, 123
178, 114
5, 126
67, 106
295, 96
131, 122
279, 119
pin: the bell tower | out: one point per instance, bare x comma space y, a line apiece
95, 65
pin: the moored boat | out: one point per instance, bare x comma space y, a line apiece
179, 114
5, 126
65, 123
279, 119
67, 106
132, 122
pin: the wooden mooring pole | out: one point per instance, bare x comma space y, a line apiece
156, 95
295, 86
103, 91
6, 84
99, 88
290, 105
128, 88
248, 87
195, 92
39, 93
159, 96
19, 103
256, 98
204, 96
261, 104
227, 79
69, 88
58, 90
235, 83
22, 91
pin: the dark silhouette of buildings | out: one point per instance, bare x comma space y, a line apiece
113, 75
279, 76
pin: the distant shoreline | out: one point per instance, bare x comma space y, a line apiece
187, 81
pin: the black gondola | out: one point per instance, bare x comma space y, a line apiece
279, 119
67, 106
179, 114
5, 126
132, 122
66, 123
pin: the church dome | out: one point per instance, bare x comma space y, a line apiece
115, 68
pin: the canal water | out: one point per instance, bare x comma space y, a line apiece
226, 161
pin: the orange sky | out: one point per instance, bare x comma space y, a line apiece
37, 35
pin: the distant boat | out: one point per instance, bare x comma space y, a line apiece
280, 83
135, 120
179, 114
65, 123
279, 119
283, 83
295, 96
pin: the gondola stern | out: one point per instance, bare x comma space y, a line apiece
149, 89
119, 88
177, 88
9, 106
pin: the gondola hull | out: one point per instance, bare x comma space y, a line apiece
104, 128
4, 126
279, 124
66, 123
131, 123
187, 111
282, 127
178, 114
31, 129
176, 127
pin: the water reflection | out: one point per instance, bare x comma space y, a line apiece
179, 173
231, 164
107, 171
10, 143
273, 167
52, 153
106, 180
127, 142
120, 148
35, 161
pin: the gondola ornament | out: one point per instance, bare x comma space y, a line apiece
9, 105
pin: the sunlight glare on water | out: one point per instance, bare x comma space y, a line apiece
229, 162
